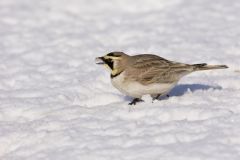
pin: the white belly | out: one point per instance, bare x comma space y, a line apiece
137, 90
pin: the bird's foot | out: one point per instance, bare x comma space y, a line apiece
135, 101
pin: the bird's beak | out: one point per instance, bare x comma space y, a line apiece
99, 60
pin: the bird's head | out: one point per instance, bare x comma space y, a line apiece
113, 61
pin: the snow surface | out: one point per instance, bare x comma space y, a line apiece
56, 104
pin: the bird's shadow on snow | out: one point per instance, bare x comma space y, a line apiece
181, 89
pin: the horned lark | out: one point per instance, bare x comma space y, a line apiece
144, 74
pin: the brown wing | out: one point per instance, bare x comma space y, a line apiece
148, 69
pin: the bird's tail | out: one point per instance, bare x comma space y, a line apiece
205, 66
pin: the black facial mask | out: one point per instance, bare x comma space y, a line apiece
109, 62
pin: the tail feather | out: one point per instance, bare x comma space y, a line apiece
205, 66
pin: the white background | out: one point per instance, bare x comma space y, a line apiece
56, 104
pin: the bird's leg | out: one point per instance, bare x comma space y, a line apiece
156, 98
159, 95
135, 100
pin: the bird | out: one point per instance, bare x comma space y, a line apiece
147, 74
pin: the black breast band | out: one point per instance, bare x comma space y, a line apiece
113, 76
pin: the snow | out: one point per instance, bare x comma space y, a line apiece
55, 103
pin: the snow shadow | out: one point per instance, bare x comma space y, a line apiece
181, 89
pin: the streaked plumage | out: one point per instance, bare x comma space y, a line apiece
144, 74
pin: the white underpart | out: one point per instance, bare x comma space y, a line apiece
137, 90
